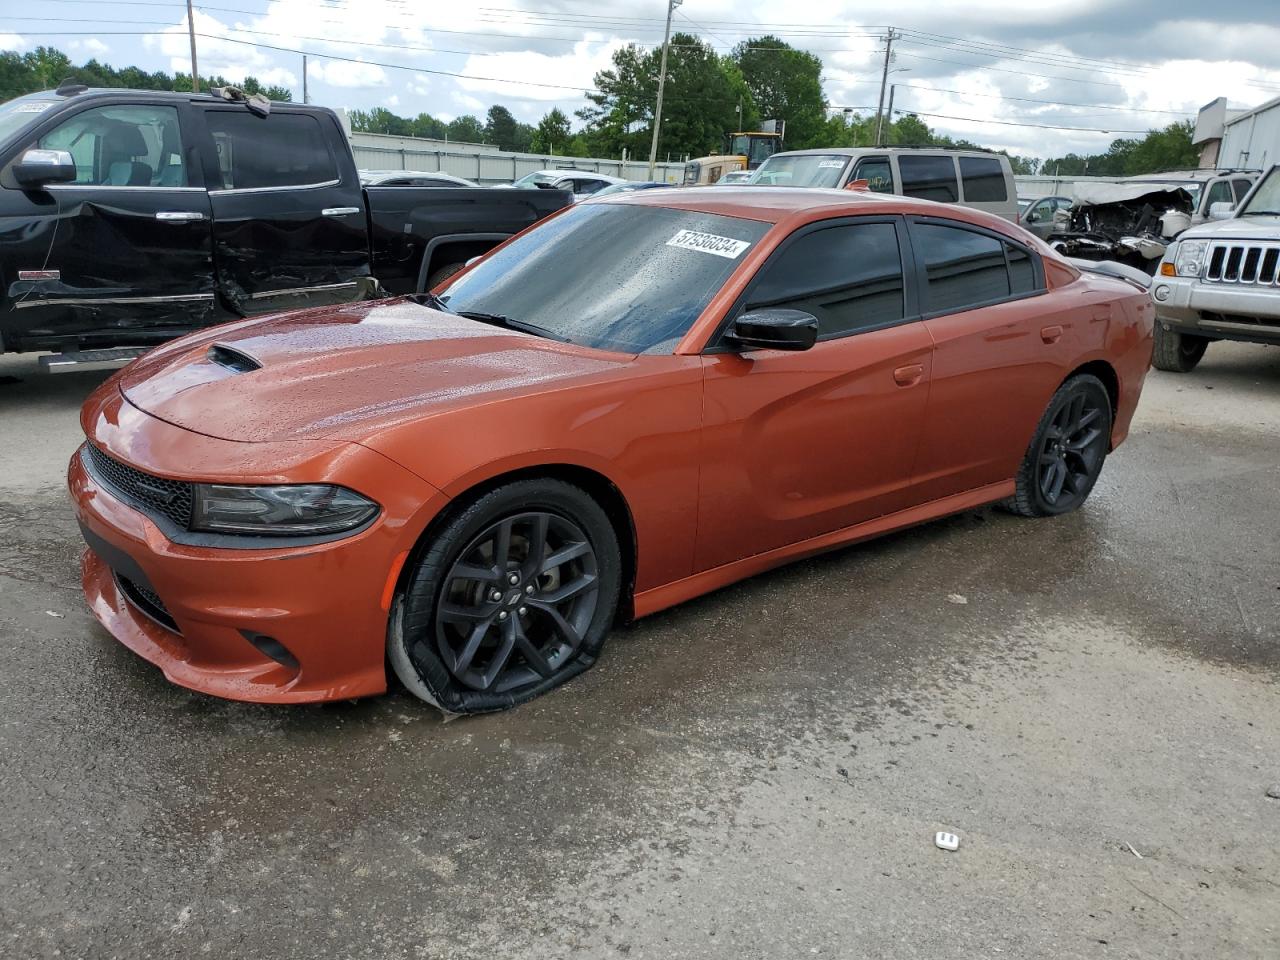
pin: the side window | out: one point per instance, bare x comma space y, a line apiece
1040, 211
1219, 192
280, 150
589, 186
962, 268
1022, 271
928, 177
983, 180
875, 170
123, 146
1242, 187
848, 276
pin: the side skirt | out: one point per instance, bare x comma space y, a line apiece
670, 594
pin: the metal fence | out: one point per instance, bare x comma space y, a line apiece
489, 168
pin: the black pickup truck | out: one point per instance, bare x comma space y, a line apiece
130, 217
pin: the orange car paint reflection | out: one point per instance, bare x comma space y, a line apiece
727, 463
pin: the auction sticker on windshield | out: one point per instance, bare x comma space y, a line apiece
709, 243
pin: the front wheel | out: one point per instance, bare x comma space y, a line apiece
1177, 352
1067, 452
514, 596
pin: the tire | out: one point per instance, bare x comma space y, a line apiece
1177, 352
442, 274
1065, 456
485, 621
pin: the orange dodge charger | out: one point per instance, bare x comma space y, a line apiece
641, 399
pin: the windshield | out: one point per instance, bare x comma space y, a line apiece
804, 170
16, 114
533, 179
615, 276
1265, 199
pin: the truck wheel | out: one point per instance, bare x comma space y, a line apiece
443, 274
1177, 352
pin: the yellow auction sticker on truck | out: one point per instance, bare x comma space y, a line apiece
709, 243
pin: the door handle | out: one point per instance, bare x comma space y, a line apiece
1051, 334
179, 216
339, 211
909, 375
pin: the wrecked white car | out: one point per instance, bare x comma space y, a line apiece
1132, 223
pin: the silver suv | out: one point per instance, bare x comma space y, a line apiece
1221, 281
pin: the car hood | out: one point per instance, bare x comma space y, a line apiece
343, 373
1239, 228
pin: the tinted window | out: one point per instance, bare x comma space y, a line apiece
642, 274
875, 170
280, 150
1219, 192
849, 277
125, 146
1242, 187
929, 178
962, 268
983, 179
1022, 272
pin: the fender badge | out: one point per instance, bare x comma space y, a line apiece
39, 274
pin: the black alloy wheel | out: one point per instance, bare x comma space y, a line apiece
1066, 455
515, 595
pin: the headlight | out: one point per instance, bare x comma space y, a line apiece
293, 511
1189, 260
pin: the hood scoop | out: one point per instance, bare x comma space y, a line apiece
233, 358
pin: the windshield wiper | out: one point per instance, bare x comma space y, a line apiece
1261, 213
510, 323
429, 299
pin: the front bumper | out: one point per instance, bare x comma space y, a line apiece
1222, 310
280, 624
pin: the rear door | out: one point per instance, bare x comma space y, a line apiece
998, 353
984, 185
800, 444
123, 254
289, 225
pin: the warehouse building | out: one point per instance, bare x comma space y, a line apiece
1238, 139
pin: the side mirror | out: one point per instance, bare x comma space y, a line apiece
39, 167
774, 329
1222, 210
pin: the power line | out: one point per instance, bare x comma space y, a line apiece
1011, 123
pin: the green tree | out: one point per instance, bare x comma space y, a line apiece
500, 128
552, 133
465, 129
1158, 151
703, 92
786, 84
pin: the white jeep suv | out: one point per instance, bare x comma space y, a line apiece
1221, 281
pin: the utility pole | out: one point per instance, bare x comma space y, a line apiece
662, 83
884, 80
892, 88
307, 99
191, 29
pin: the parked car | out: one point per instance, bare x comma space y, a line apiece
735, 177
1039, 215
412, 178
133, 216
983, 181
1221, 281
704, 171
581, 183
1204, 187
477, 483
629, 186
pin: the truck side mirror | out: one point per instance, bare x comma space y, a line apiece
1221, 210
36, 168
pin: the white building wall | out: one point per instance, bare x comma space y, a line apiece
1253, 139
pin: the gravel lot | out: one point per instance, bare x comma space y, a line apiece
756, 774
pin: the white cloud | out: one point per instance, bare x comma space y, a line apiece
469, 103
13, 41
342, 73
93, 47
392, 101
519, 69
218, 56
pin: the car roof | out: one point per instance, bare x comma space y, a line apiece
861, 151
776, 204
573, 172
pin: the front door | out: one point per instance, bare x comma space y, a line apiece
123, 253
800, 444
289, 224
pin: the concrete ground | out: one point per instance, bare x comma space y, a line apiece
756, 774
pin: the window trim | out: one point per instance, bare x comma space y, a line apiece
922, 279
910, 295
214, 108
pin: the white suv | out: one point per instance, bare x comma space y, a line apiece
1221, 281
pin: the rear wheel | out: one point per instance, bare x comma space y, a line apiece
1177, 352
512, 598
1067, 452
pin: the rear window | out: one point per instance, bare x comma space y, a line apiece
280, 150
929, 178
983, 179
965, 269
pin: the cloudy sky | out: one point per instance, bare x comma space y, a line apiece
972, 68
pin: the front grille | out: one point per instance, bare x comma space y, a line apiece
1251, 264
148, 601
170, 498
